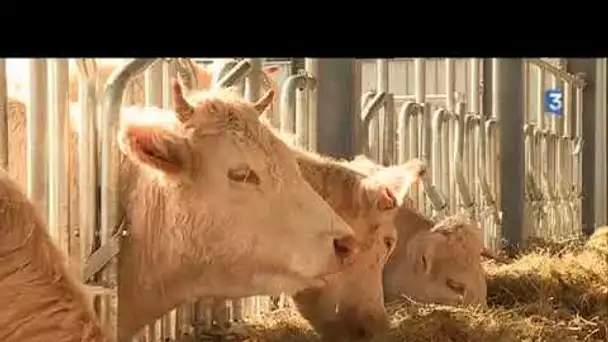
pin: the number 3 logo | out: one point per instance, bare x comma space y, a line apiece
555, 101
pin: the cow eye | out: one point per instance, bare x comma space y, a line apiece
455, 286
244, 174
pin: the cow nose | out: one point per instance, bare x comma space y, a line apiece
365, 329
346, 248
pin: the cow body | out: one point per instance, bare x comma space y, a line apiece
41, 298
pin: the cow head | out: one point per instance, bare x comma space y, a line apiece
350, 306
235, 205
441, 265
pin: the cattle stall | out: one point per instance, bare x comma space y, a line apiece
443, 110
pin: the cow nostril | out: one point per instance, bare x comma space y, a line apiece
362, 333
345, 248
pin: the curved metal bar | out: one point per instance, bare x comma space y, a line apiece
288, 101
491, 129
406, 113
110, 160
303, 127
236, 75
113, 94
440, 117
533, 190
361, 138
463, 189
482, 177
388, 134
471, 162
369, 112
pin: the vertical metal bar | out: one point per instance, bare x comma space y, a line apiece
487, 87
379, 122
587, 66
510, 111
601, 199
419, 123
59, 132
253, 90
338, 95
153, 81
450, 84
474, 85
168, 74
87, 156
171, 328
37, 158
110, 161
450, 88
312, 67
302, 129
3, 117
493, 131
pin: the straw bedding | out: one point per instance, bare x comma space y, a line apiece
549, 292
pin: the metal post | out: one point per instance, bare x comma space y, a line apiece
312, 67
587, 66
509, 105
3, 117
601, 196
486, 109
338, 97
37, 155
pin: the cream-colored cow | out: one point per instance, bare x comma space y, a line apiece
216, 206
437, 262
41, 299
350, 306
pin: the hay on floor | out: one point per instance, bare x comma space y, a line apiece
549, 294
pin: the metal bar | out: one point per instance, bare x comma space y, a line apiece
37, 158
110, 155
312, 68
378, 124
288, 103
153, 83
576, 80
367, 115
510, 110
601, 195
3, 117
587, 113
338, 95
420, 79
440, 119
87, 156
463, 190
235, 76
59, 132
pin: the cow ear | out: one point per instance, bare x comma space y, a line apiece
155, 147
394, 182
272, 70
